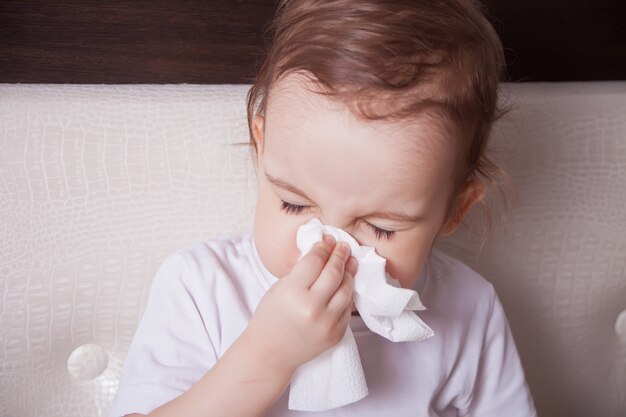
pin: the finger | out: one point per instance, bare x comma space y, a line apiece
309, 267
344, 318
342, 298
352, 265
331, 276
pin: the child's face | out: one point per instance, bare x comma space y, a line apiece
349, 173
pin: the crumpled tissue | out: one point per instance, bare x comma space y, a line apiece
335, 377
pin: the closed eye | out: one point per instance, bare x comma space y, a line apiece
291, 208
380, 233
297, 209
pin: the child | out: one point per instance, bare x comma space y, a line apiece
373, 116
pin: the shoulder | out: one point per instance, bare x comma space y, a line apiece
451, 271
461, 289
207, 278
201, 263
218, 252
482, 366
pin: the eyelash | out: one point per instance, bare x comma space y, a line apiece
297, 209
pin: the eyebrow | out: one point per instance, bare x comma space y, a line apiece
399, 216
285, 185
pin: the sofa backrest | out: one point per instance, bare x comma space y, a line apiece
99, 183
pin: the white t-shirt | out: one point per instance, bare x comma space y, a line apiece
204, 295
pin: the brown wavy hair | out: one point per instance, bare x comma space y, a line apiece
393, 60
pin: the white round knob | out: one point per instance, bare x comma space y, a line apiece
87, 362
620, 324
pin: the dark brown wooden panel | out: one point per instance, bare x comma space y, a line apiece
203, 41
131, 41
562, 40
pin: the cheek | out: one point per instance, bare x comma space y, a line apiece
275, 235
406, 258
406, 269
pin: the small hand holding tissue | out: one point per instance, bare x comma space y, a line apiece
335, 377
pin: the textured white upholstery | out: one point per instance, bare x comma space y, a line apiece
98, 183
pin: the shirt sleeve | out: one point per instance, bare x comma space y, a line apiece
171, 349
500, 388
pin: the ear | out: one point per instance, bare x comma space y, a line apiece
258, 131
473, 192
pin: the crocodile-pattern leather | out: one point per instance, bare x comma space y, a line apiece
98, 183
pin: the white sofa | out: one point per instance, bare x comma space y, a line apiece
98, 183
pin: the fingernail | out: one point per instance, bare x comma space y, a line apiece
329, 239
344, 248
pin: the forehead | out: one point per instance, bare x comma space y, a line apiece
303, 126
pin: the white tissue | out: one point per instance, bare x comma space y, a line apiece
335, 377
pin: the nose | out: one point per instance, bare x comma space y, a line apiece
345, 225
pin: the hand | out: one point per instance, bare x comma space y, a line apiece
308, 310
